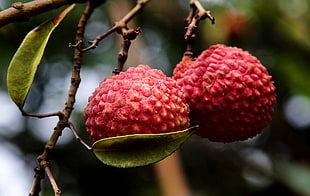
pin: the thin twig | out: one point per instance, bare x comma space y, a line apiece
119, 25
128, 35
50, 176
94, 43
202, 13
192, 22
191, 14
63, 122
59, 114
122, 56
77, 137
44, 158
36, 188
78, 45
194, 19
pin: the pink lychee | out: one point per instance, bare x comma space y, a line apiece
230, 93
183, 65
139, 101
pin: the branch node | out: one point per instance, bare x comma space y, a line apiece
131, 34
18, 5
120, 25
192, 22
78, 45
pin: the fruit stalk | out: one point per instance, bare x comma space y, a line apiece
192, 22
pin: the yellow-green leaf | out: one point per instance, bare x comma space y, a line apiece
139, 149
26, 60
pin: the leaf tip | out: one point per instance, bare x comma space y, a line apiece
57, 19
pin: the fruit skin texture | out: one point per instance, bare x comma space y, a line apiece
139, 101
180, 68
230, 93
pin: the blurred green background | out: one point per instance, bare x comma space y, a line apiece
277, 162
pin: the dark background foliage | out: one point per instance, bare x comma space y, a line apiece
273, 163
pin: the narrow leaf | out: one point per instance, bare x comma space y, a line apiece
25, 62
139, 149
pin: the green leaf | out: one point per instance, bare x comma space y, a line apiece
26, 60
139, 149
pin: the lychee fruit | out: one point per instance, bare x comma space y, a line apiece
180, 68
139, 101
230, 93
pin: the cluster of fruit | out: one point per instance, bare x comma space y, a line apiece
225, 90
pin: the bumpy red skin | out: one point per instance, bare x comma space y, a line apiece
180, 69
230, 93
139, 101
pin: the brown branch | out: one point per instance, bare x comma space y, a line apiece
63, 122
77, 137
192, 22
23, 11
140, 5
59, 114
202, 14
95, 43
191, 14
39, 174
122, 56
119, 25
48, 171
128, 35
194, 19
190, 46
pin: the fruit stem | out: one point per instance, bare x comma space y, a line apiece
78, 138
59, 114
128, 35
192, 23
189, 47
122, 56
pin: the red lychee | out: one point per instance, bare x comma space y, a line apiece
180, 68
230, 93
139, 101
